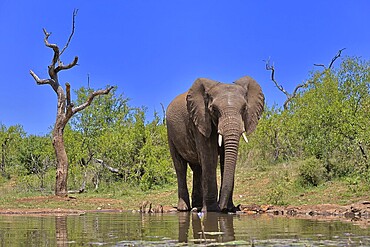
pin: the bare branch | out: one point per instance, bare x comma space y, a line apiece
41, 81
319, 65
88, 81
336, 57
79, 191
295, 91
332, 60
72, 32
164, 113
298, 87
112, 169
280, 87
294, 94
56, 58
52, 46
61, 66
52, 69
90, 99
272, 68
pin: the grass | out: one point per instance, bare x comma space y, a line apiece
14, 199
275, 184
279, 185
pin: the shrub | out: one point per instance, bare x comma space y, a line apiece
312, 172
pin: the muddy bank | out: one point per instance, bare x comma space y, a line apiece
357, 212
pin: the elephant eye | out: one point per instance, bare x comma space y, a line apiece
211, 108
214, 109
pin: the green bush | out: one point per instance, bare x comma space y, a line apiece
312, 172
282, 184
155, 157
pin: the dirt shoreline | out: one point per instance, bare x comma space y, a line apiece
355, 210
359, 211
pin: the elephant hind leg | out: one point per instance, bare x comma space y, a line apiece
183, 193
181, 170
197, 192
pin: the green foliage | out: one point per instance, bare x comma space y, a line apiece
265, 146
37, 156
112, 131
154, 156
281, 184
312, 172
11, 141
327, 120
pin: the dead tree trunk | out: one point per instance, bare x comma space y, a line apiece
65, 108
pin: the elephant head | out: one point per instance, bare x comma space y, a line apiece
226, 110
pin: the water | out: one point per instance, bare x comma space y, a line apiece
177, 229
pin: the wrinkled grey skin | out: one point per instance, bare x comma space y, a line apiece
194, 121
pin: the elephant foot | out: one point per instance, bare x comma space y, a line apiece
233, 209
211, 208
197, 205
182, 205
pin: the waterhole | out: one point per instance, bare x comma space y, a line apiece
177, 229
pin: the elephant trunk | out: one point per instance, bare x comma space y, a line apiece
231, 137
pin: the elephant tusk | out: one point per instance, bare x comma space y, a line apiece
219, 140
245, 137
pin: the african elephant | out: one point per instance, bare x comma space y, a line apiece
203, 123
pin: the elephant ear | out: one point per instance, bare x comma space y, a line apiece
197, 105
255, 102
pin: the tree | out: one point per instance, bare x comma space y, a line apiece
102, 131
36, 155
111, 142
65, 108
10, 139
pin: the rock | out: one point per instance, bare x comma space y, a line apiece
350, 215
145, 207
158, 209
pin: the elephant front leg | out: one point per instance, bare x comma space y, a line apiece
230, 204
209, 185
197, 193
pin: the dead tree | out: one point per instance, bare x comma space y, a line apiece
65, 108
290, 96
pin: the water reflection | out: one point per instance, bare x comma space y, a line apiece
134, 229
61, 231
219, 227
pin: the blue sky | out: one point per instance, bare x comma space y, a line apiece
154, 50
